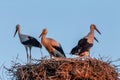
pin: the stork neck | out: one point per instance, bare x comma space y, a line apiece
44, 40
91, 34
90, 37
43, 37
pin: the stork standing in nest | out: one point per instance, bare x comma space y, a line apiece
53, 47
84, 45
28, 42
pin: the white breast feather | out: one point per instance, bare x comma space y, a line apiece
90, 39
23, 38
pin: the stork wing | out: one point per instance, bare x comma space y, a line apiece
59, 48
56, 45
82, 41
53, 42
83, 45
34, 42
74, 50
77, 47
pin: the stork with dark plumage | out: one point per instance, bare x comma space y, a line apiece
84, 45
53, 47
28, 42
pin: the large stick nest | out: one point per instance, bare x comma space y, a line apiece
65, 69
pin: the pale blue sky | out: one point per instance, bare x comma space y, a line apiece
67, 22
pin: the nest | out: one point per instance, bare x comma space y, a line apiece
65, 69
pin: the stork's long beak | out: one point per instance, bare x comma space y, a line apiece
98, 31
96, 39
40, 35
15, 32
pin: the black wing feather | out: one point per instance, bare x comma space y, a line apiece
74, 50
33, 42
59, 49
82, 46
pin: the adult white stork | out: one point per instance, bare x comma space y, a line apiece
84, 45
28, 42
53, 47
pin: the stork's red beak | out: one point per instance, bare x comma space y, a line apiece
15, 32
98, 31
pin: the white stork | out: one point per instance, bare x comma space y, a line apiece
28, 42
84, 45
53, 47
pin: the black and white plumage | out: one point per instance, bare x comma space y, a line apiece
28, 42
52, 46
84, 45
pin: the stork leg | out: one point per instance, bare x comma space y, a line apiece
89, 54
41, 53
30, 54
27, 54
50, 56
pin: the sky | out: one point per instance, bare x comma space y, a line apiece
67, 22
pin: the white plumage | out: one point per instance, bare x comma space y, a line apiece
28, 42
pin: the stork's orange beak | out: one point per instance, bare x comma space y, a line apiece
98, 31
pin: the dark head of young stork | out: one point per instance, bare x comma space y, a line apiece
28, 42
84, 45
53, 47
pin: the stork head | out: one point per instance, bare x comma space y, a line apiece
93, 27
44, 32
17, 28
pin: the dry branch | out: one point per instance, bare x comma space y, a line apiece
65, 69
